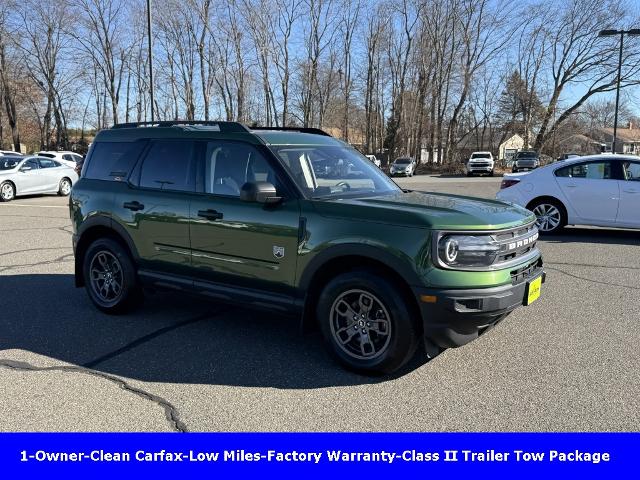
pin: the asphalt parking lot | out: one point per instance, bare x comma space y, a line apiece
569, 362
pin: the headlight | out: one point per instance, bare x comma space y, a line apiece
467, 250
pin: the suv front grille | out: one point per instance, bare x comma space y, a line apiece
517, 242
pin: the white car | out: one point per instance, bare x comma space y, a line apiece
34, 175
403, 166
600, 190
374, 160
9, 153
70, 159
480, 162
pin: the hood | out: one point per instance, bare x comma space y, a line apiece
432, 210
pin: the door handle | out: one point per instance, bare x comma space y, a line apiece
134, 206
571, 186
210, 214
630, 191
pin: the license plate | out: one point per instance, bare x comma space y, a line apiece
533, 290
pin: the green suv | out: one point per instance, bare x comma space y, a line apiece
296, 221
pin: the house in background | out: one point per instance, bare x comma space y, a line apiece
627, 139
581, 144
508, 149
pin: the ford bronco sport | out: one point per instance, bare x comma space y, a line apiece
248, 216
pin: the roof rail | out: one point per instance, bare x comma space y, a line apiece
315, 131
226, 127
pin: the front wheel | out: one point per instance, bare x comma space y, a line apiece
550, 214
64, 188
367, 322
7, 192
110, 277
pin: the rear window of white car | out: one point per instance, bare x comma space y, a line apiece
481, 155
593, 170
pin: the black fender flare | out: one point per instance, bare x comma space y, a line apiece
88, 225
371, 252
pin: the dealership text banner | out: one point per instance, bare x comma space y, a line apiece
585, 454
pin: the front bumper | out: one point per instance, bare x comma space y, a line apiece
458, 316
484, 168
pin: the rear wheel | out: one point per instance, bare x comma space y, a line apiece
7, 192
367, 322
551, 215
64, 188
110, 277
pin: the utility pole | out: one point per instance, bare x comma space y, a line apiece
622, 33
150, 58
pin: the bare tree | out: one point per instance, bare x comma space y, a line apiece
8, 77
578, 56
104, 40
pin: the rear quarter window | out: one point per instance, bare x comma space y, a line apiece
112, 160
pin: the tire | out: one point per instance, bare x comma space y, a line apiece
375, 346
550, 213
491, 173
514, 170
7, 192
469, 174
64, 189
108, 258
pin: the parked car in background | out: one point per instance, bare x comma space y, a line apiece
567, 156
70, 159
599, 190
375, 160
403, 166
480, 162
34, 175
9, 153
525, 160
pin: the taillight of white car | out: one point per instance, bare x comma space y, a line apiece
508, 182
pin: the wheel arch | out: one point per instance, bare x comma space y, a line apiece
341, 260
541, 198
553, 199
94, 229
15, 187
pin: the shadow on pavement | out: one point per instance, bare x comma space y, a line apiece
171, 338
594, 235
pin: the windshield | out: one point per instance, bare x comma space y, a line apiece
9, 163
403, 161
527, 155
480, 155
333, 170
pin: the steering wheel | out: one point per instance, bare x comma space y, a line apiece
343, 184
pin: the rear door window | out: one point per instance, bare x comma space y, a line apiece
48, 163
113, 160
169, 165
593, 170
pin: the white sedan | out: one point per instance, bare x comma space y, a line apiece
600, 190
34, 175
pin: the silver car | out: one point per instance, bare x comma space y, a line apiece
34, 175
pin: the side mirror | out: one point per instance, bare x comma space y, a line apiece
259, 192
25, 168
